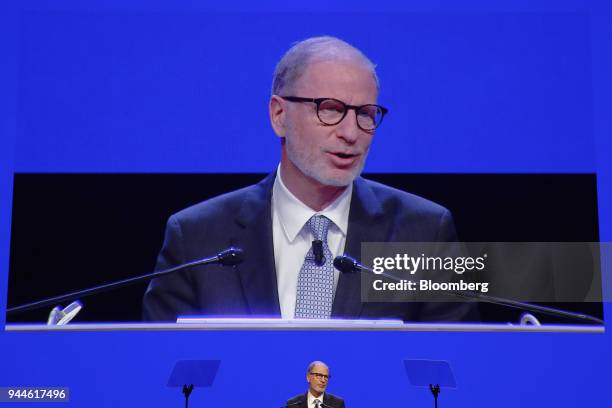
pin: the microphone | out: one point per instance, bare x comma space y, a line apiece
321, 404
292, 404
317, 251
347, 264
230, 257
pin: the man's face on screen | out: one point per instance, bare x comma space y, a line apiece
330, 155
317, 378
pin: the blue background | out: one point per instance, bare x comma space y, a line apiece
139, 86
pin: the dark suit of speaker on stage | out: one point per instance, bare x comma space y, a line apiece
242, 218
329, 400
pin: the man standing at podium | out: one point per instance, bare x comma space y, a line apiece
318, 377
314, 207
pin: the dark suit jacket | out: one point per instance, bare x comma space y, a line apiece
301, 401
243, 219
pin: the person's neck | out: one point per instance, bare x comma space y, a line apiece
314, 394
308, 190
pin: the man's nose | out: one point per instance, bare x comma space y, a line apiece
348, 129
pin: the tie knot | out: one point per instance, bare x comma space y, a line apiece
317, 402
319, 225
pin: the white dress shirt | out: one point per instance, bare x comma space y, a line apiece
312, 398
292, 241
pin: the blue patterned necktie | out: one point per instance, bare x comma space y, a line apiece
315, 289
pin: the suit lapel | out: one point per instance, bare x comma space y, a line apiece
328, 400
366, 224
258, 271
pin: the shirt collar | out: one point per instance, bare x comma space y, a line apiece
293, 214
311, 399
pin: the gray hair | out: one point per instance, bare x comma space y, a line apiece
293, 64
314, 363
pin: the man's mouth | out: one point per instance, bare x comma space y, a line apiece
343, 160
344, 155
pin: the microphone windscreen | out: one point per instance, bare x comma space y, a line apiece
231, 256
345, 264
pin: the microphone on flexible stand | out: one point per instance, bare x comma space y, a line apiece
229, 257
347, 264
292, 404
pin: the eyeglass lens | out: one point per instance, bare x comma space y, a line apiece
332, 111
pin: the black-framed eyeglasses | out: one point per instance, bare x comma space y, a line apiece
332, 111
321, 376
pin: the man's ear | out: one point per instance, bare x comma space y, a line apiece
277, 111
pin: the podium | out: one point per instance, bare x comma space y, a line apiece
272, 324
